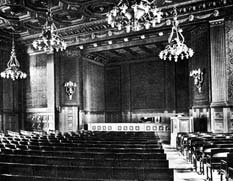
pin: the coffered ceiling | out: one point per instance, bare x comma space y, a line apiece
83, 25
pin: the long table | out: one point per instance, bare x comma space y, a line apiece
163, 130
141, 127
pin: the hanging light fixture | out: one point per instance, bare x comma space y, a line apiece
12, 71
176, 47
134, 16
49, 38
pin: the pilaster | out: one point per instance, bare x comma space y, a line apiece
219, 87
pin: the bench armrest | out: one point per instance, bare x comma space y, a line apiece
223, 162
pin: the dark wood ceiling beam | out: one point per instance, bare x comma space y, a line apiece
99, 54
129, 50
115, 53
147, 50
132, 43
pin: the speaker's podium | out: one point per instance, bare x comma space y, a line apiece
180, 124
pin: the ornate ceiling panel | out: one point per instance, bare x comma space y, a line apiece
83, 22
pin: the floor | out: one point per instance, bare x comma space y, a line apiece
183, 170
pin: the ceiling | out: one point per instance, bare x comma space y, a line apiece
27, 16
83, 23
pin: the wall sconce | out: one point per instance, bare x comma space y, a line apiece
70, 88
198, 77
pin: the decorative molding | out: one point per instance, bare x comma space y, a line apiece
95, 59
71, 53
218, 62
217, 22
93, 112
229, 57
189, 12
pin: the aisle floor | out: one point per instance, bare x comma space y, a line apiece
183, 170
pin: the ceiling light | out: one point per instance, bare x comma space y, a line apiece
81, 47
134, 16
176, 47
49, 38
161, 33
95, 45
12, 71
126, 39
110, 42
142, 37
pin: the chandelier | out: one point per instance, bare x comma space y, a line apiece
49, 38
176, 47
134, 16
12, 71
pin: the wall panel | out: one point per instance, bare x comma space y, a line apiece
182, 86
113, 94
125, 93
148, 88
147, 85
93, 92
69, 71
170, 86
36, 94
112, 88
200, 59
9, 95
218, 62
40, 93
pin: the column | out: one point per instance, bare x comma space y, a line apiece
218, 76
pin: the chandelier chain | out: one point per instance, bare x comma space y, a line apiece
49, 39
176, 47
12, 71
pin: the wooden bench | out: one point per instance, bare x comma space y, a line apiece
89, 172
226, 168
214, 160
72, 161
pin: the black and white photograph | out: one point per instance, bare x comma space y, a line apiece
116, 90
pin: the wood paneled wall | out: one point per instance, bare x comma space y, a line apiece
113, 94
199, 102
40, 92
218, 65
221, 33
11, 93
93, 92
149, 87
68, 67
37, 82
201, 59
123, 92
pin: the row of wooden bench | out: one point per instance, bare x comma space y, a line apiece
85, 161
124, 158
210, 150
